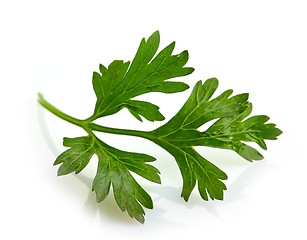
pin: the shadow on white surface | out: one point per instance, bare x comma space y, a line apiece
167, 198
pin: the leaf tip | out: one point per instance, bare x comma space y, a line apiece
60, 172
191, 69
56, 162
157, 32
185, 194
158, 179
140, 219
154, 36
278, 132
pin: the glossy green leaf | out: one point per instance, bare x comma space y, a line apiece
76, 157
116, 85
181, 134
232, 132
114, 168
147, 110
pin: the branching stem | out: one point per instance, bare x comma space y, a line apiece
88, 125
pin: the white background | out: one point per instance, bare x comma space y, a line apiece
53, 47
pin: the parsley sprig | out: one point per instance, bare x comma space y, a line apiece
116, 86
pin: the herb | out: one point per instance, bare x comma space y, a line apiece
116, 86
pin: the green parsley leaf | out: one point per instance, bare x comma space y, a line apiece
114, 168
76, 157
180, 134
147, 110
116, 85
231, 133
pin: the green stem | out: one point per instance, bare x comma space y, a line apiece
59, 113
127, 132
87, 124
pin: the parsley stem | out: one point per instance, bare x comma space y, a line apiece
87, 125
128, 132
59, 113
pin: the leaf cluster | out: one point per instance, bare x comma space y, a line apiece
117, 85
